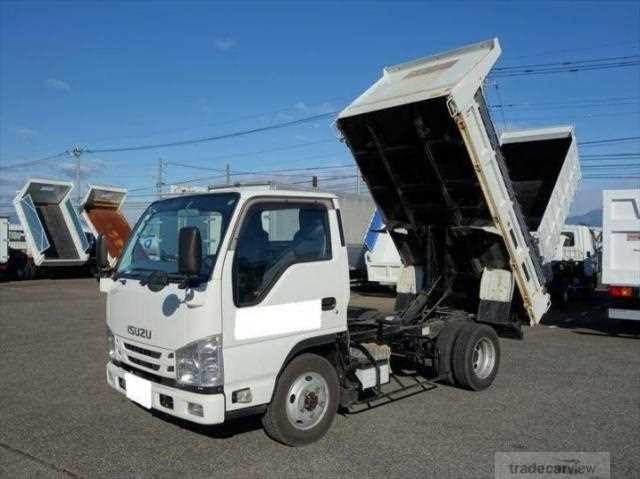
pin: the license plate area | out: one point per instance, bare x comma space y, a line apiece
138, 390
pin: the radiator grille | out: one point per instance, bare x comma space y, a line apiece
139, 350
142, 363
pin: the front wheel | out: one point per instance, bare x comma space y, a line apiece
476, 356
305, 401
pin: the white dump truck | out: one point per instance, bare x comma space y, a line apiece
544, 168
52, 227
578, 263
621, 252
381, 258
238, 304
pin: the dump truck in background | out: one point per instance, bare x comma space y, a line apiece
578, 264
4, 244
52, 227
102, 212
544, 168
15, 263
381, 258
621, 252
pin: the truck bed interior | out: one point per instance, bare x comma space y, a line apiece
62, 246
110, 222
417, 167
534, 167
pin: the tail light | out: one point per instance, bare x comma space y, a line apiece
621, 291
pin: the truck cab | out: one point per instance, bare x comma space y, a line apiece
273, 278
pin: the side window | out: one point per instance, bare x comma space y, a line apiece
570, 241
272, 238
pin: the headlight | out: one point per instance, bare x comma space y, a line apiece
111, 344
200, 363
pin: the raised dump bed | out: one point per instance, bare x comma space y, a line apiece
51, 224
102, 211
427, 148
544, 169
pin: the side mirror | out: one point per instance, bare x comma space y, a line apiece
102, 255
189, 251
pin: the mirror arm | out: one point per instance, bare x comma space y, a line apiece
189, 281
103, 272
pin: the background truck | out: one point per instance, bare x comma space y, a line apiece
4, 244
621, 252
101, 210
251, 316
14, 261
544, 168
381, 258
52, 227
577, 268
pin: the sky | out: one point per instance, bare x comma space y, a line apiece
96, 75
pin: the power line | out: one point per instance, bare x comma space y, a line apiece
235, 134
632, 165
580, 49
609, 155
263, 172
566, 63
608, 140
34, 162
563, 67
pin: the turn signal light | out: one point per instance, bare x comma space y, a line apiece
620, 291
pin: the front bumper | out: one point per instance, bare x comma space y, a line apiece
213, 405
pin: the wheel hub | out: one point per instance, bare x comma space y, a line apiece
308, 401
484, 358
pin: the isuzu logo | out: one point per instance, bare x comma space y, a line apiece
140, 332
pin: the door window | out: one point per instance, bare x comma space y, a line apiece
272, 238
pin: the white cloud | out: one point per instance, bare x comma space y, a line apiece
87, 167
26, 134
225, 44
56, 84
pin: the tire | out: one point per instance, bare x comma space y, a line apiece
476, 356
304, 403
445, 341
30, 272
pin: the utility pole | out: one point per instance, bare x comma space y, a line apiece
160, 178
77, 152
227, 172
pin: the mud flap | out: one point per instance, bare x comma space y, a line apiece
498, 314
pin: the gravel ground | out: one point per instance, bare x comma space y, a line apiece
572, 385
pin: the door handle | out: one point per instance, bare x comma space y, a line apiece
328, 304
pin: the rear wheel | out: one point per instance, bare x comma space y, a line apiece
445, 342
476, 356
305, 401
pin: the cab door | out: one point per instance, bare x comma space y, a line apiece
285, 280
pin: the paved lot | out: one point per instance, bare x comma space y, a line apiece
570, 386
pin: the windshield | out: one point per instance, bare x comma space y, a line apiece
153, 246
